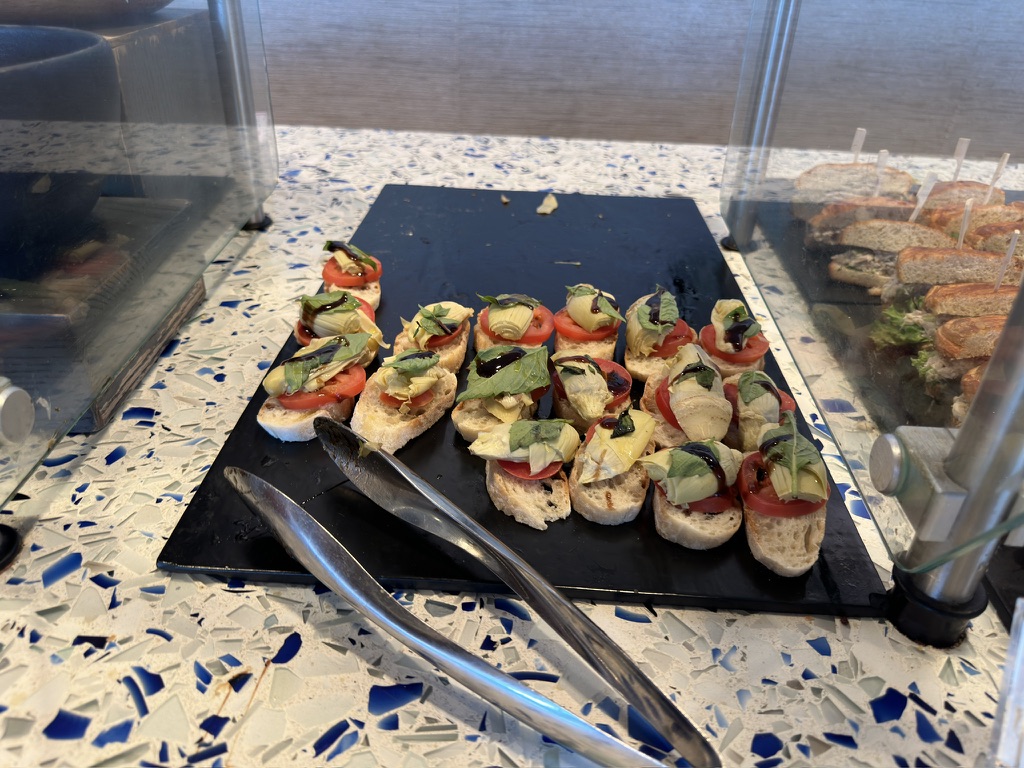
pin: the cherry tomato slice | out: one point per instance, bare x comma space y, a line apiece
539, 330
569, 328
732, 394
680, 335
305, 335
661, 397
521, 469
619, 381
756, 347
712, 505
417, 402
348, 383
757, 492
333, 274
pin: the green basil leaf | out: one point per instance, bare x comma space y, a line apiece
579, 290
297, 370
658, 312
432, 320
610, 308
414, 361
705, 375
754, 384
526, 370
523, 434
351, 251
510, 299
623, 425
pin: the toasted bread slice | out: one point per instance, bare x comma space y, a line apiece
892, 236
370, 292
694, 530
971, 381
963, 338
602, 348
297, 426
950, 218
996, 237
453, 354
388, 427
951, 193
613, 501
828, 183
789, 546
471, 418
531, 502
868, 269
970, 299
942, 266
825, 227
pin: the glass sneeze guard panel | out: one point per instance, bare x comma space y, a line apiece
931, 109
126, 166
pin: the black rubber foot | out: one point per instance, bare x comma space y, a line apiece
261, 225
10, 545
729, 243
924, 619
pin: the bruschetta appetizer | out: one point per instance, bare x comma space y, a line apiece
504, 385
586, 389
654, 333
688, 400
525, 475
407, 395
351, 269
332, 314
784, 488
695, 503
589, 323
607, 485
442, 327
323, 379
734, 339
512, 318
756, 401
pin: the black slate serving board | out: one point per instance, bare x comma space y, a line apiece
442, 243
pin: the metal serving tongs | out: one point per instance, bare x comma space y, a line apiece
396, 488
328, 560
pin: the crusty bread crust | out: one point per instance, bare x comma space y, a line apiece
970, 299
969, 337
827, 183
694, 530
942, 266
370, 292
453, 354
947, 193
613, 501
531, 502
642, 368
665, 435
949, 218
603, 349
826, 227
471, 418
893, 236
971, 381
789, 546
297, 426
390, 428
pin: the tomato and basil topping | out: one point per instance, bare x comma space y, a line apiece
650, 323
591, 386
538, 443
516, 317
335, 313
733, 335
506, 370
591, 310
349, 383
691, 397
614, 444
437, 324
316, 364
349, 267
408, 378
756, 392
786, 470
691, 473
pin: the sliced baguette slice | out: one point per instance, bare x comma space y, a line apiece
942, 266
947, 193
531, 502
453, 354
694, 530
825, 228
293, 426
828, 183
949, 218
868, 269
370, 292
471, 418
996, 237
603, 348
613, 501
970, 299
390, 428
971, 381
963, 338
892, 236
789, 546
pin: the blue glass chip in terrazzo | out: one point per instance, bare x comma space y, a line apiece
289, 648
808, 675
323, 743
743, 696
544, 677
820, 644
807, 339
56, 461
204, 675
138, 412
901, 762
841, 739
384, 698
923, 704
235, 583
231, 303
511, 606
609, 707
967, 667
171, 347
837, 405
346, 742
230, 660
469, 605
115, 455
114, 601
506, 624
488, 644
154, 589
67, 725
64, 567
925, 730
160, 633
214, 724
771, 289
953, 742
889, 706
389, 722
238, 682
638, 728
159, 385
151, 681
205, 754
115, 734
137, 698
858, 509
634, 616
765, 744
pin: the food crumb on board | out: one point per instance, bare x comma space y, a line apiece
548, 206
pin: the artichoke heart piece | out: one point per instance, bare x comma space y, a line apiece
507, 408
606, 457
321, 361
811, 482
440, 319
702, 416
590, 308
587, 391
509, 322
554, 442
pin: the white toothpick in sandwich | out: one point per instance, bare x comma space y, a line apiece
1006, 261
1000, 167
958, 155
922, 195
858, 143
965, 223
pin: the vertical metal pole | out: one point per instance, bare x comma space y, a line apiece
236, 89
754, 135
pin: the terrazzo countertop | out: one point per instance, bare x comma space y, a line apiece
107, 661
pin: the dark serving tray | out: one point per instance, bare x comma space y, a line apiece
450, 244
